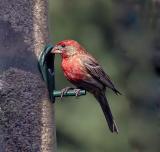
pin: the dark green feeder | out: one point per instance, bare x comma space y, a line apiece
46, 67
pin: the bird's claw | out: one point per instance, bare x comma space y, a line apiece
77, 92
65, 90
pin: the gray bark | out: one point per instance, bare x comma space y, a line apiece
26, 114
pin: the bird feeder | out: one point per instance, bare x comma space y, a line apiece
47, 70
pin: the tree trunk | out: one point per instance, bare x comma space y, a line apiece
26, 114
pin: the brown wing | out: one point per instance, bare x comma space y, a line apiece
96, 71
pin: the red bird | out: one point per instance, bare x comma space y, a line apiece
82, 70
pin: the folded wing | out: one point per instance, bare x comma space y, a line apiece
96, 71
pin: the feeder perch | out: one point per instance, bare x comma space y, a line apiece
46, 68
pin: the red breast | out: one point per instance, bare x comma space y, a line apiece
73, 68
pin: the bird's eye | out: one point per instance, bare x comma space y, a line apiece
63, 45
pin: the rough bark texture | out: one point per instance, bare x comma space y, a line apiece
26, 114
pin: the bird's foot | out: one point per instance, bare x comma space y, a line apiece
77, 92
65, 90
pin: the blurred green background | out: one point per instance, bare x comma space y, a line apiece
124, 35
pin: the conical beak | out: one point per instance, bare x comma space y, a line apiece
56, 50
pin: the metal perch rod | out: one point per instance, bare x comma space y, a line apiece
57, 93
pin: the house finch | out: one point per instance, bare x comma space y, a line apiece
82, 70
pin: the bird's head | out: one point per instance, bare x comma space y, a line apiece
67, 48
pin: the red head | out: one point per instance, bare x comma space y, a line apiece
67, 48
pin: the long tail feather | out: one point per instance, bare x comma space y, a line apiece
107, 112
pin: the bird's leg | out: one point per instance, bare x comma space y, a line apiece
65, 90
77, 92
